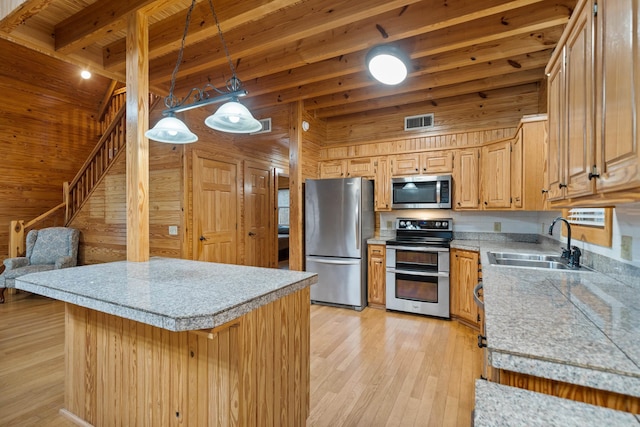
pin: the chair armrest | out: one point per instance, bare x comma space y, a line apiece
64, 262
13, 263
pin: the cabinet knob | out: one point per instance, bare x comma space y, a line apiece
593, 175
485, 203
416, 169
544, 191
561, 185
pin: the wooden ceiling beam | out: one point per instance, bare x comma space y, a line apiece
94, 22
434, 94
22, 13
358, 87
286, 63
165, 36
317, 38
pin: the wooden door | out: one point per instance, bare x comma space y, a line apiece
382, 184
464, 278
215, 210
360, 167
619, 112
259, 204
556, 109
496, 175
465, 179
405, 164
516, 170
437, 162
580, 154
377, 276
333, 169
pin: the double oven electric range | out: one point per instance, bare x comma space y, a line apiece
418, 266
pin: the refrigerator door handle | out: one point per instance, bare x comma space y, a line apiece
337, 261
358, 220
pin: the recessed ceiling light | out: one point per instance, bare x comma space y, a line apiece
85, 74
388, 64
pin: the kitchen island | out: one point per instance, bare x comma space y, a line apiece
179, 342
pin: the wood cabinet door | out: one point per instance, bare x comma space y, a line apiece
405, 164
465, 179
437, 162
333, 169
464, 278
377, 276
556, 109
580, 149
533, 158
360, 167
496, 175
382, 185
516, 171
618, 154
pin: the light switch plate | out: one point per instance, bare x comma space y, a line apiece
173, 230
497, 227
626, 243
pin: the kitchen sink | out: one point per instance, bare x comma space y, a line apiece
549, 262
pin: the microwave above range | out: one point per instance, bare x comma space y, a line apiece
421, 192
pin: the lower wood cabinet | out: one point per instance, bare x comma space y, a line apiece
464, 275
377, 276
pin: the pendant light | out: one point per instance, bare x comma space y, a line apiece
231, 117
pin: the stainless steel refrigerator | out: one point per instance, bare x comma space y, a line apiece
339, 218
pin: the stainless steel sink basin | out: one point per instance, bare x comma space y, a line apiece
549, 262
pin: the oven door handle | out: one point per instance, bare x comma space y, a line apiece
418, 273
418, 249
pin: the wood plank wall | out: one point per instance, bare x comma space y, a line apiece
47, 129
501, 108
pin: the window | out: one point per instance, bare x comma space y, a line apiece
283, 207
590, 225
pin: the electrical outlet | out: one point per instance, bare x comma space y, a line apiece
544, 229
173, 230
625, 248
497, 227
389, 225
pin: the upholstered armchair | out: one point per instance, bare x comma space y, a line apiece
47, 249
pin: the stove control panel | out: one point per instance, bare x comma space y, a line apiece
424, 224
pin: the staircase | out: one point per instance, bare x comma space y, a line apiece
107, 151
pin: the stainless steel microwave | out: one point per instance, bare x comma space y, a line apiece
421, 192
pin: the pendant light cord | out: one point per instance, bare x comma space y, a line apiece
233, 82
170, 100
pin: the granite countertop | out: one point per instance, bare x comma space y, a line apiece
577, 327
500, 406
169, 293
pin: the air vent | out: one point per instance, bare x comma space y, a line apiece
424, 121
266, 126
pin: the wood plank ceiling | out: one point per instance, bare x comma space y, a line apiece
310, 50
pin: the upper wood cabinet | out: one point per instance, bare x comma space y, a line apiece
466, 179
350, 168
382, 188
594, 158
528, 153
496, 175
618, 97
430, 162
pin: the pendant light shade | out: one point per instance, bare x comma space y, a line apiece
171, 130
387, 64
233, 117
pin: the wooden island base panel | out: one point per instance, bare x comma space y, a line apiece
252, 369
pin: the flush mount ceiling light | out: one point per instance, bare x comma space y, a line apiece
231, 117
85, 74
387, 64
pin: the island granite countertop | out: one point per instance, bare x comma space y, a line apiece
169, 293
576, 327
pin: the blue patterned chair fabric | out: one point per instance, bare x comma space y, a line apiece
47, 249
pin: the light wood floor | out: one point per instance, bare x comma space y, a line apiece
373, 368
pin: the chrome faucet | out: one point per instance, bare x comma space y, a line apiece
571, 253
